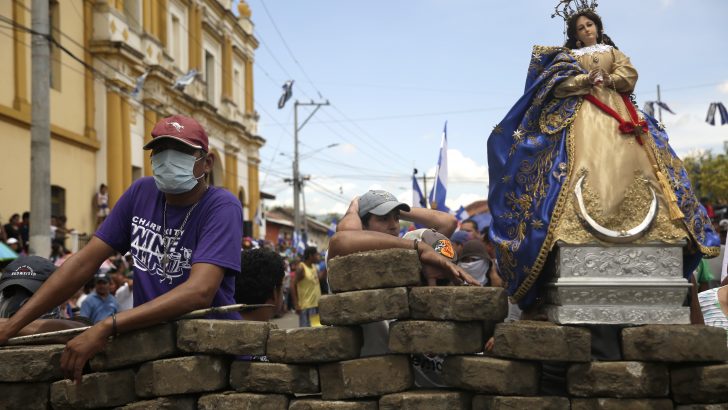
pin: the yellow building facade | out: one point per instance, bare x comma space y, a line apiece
99, 125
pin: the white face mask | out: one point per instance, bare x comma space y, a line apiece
173, 171
477, 269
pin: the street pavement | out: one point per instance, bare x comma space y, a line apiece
287, 321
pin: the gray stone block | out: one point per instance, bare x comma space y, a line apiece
424, 336
164, 403
95, 390
533, 340
30, 363
461, 303
618, 380
482, 402
674, 343
364, 306
388, 268
264, 377
368, 377
232, 337
182, 375
242, 401
426, 400
135, 347
24, 396
491, 375
717, 406
315, 404
700, 384
314, 344
620, 404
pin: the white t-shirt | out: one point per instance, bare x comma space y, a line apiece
125, 297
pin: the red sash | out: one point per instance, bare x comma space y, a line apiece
635, 126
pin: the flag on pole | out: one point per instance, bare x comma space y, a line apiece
461, 214
258, 217
418, 199
332, 228
439, 190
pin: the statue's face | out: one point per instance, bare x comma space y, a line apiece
586, 31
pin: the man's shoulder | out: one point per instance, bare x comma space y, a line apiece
222, 196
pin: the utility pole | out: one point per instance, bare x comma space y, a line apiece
297, 181
40, 133
659, 100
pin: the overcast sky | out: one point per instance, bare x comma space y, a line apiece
395, 71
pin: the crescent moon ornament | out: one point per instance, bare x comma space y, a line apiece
609, 235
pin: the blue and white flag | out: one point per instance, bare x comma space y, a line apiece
720, 109
299, 242
258, 217
461, 214
439, 190
332, 228
418, 199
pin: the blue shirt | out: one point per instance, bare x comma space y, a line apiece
98, 309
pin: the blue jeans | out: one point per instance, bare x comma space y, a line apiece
304, 318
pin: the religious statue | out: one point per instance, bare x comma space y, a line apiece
575, 161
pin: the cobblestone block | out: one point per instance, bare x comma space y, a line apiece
314, 344
273, 378
135, 347
368, 377
232, 337
491, 375
620, 404
389, 268
482, 402
461, 303
95, 390
315, 404
242, 401
164, 403
30, 363
618, 380
182, 375
674, 343
700, 384
364, 306
426, 400
24, 396
424, 336
534, 340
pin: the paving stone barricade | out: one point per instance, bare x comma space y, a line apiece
206, 364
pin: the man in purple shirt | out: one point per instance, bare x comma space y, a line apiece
183, 234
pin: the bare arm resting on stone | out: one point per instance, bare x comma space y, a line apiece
195, 293
430, 218
435, 266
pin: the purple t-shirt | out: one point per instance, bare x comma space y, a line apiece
212, 234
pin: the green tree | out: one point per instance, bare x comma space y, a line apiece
709, 175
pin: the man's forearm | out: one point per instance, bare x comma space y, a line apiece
348, 242
195, 293
440, 221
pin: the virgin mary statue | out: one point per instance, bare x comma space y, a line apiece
575, 161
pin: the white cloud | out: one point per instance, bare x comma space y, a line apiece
723, 87
347, 149
462, 169
463, 200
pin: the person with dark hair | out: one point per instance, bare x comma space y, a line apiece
101, 203
260, 282
577, 131
471, 226
12, 228
305, 288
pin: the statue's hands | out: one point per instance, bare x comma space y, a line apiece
596, 76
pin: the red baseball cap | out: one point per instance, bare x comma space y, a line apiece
183, 129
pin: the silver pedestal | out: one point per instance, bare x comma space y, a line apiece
620, 284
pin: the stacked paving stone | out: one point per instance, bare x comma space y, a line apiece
195, 364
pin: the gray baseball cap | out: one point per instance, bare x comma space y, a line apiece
379, 203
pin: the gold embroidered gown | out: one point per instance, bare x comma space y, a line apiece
616, 165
